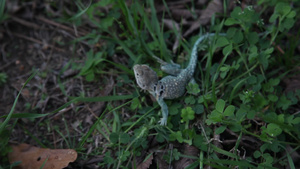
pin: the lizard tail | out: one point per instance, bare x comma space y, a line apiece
194, 55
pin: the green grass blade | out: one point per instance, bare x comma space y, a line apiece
128, 17
63, 137
126, 48
34, 137
3, 125
26, 115
81, 12
241, 164
290, 160
221, 151
120, 66
159, 32
84, 138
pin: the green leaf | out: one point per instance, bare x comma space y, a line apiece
256, 154
124, 138
224, 68
220, 105
262, 58
199, 141
114, 137
176, 136
296, 120
240, 114
108, 159
220, 130
223, 74
284, 103
187, 114
273, 17
231, 21
259, 101
251, 114
281, 118
264, 147
160, 137
135, 104
252, 38
252, 79
199, 109
238, 37
193, 88
272, 98
227, 50
288, 23
282, 8
214, 117
273, 130
190, 100
253, 53
222, 41
231, 32
174, 108
229, 111
292, 14
274, 82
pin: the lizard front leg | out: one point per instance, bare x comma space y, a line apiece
165, 111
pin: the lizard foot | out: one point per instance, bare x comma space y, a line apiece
163, 121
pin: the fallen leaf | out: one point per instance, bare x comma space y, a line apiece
214, 6
184, 162
34, 157
146, 163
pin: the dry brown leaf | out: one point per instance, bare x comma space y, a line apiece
146, 164
188, 151
215, 6
34, 157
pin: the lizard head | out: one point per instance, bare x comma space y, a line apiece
145, 77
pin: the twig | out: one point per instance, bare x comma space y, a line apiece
25, 23
59, 25
36, 41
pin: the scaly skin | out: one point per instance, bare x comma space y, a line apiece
173, 85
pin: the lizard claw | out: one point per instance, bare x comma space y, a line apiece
163, 121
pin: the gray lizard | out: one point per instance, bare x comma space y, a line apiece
171, 86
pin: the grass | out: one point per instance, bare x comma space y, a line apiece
239, 114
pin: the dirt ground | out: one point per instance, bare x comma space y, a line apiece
29, 42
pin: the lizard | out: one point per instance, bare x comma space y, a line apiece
171, 86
